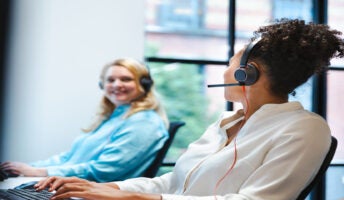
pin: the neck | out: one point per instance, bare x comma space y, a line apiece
255, 102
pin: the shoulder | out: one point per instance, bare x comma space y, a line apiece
290, 120
144, 115
289, 115
146, 118
305, 129
307, 120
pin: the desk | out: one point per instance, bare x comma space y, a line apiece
13, 182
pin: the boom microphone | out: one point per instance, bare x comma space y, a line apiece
224, 85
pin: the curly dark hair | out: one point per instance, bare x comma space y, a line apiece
292, 51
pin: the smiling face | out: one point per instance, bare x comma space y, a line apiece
120, 86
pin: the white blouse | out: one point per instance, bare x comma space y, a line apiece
279, 150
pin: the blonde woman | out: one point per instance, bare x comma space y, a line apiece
129, 128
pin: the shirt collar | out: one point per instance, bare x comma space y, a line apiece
120, 110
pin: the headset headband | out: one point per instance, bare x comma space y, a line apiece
247, 52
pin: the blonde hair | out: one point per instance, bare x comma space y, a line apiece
148, 101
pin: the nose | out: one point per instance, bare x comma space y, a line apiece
117, 83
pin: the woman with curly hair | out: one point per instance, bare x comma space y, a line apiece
270, 149
129, 129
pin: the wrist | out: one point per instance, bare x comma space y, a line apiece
41, 172
113, 185
144, 196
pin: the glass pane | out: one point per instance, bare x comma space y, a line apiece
335, 110
334, 182
251, 14
214, 75
184, 94
192, 29
303, 94
335, 20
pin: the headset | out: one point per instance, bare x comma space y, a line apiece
146, 82
246, 74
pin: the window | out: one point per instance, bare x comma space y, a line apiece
335, 92
184, 38
187, 48
195, 39
195, 29
335, 109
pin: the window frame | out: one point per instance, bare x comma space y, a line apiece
319, 87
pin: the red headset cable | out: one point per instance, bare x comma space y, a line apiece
235, 147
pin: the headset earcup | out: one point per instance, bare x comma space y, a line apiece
252, 74
240, 75
100, 84
146, 83
247, 75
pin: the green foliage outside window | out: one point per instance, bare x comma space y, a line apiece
181, 91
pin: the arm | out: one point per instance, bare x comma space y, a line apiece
37, 168
294, 157
61, 158
157, 185
19, 168
75, 187
127, 154
53, 160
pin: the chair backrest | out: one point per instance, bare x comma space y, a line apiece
154, 167
326, 163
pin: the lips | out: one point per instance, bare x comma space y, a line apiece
118, 92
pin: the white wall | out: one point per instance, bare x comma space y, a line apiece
57, 50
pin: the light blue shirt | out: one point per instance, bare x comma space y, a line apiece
118, 149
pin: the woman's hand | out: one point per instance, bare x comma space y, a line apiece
19, 168
67, 187
54, 182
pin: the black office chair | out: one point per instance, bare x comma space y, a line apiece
154, 167
326, 163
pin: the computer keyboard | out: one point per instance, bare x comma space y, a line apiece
24, 194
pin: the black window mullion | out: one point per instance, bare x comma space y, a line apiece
185, 61
319, 99
231, 37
